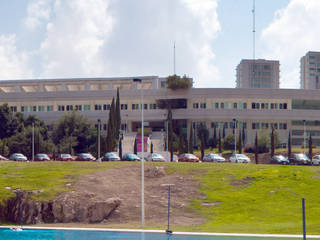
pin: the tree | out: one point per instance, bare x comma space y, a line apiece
151, 147
256, 148
310, 146
135, 146
111, 132
118, 115
175, 82
272, 141
219, 142
190, 145
228, 143
120, 148
240, 142
289, 145
224, 131
243, 135
75, 128
203, 134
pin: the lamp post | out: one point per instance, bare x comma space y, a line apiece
32, 141
99, 129
235, 134
304, 136
168, 231
142, 154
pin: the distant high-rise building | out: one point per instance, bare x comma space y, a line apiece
310, 71
258, 73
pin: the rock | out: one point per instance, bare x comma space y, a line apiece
8, 188
68, 207
155, 172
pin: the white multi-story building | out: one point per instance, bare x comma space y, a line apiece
258, 73
310, 71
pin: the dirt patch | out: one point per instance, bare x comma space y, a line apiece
244, 181
125, 183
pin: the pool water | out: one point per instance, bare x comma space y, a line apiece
27, 234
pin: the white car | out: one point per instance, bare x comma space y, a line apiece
239, 158
213, 157
156, 157
316, 160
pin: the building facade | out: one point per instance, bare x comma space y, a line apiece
310, 71
256, 110
258, 73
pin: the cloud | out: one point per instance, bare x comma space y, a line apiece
290, 35
38, 11
104, 38
14, 63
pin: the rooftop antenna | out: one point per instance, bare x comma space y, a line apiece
254, 29
174, 58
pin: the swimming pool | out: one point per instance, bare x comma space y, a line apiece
47, 234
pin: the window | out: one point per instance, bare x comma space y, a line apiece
262, 105
222, 105
282, 126
135, 106
78, 107
33, 108
123, 107
13, 109
152, 106
264, 125
97, 107
196, 105
244, 105
255, 126
40, 108
106, 107
203, 105
217, 105
49, 108
275, 125
24, 108
266, 105
163, 84
145, 106
235, 105
87, 107
69, 107
61, 108
104, 127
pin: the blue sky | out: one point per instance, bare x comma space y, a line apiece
109, 38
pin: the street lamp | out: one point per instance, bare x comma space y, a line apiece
304, 136
142, 154
168, 231
235, 134
32, 141
99, 129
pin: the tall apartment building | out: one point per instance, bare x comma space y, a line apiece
258, 73
310, 71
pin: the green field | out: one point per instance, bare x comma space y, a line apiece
247, 198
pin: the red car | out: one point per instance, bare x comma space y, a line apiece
188, 157
64, 157
85, 157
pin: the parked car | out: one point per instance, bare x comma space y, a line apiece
110, 156
213, 157
85, 157
279, 159
130, 157
239, 158
2, 158
41, 157
155, 157
64, 157
188, 157
18, 157
300, 159
316, 160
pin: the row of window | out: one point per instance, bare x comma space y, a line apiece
254, 125
85, 107
225, 105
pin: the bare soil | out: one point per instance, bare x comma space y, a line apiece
124, 182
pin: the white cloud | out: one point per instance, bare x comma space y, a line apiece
38, 11
14, 63
292, 33
92, 38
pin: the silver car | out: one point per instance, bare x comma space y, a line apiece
316, 160
213, 157
239, 158
156, 157
18, 157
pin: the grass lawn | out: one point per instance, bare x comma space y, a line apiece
256, 198
51, 177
